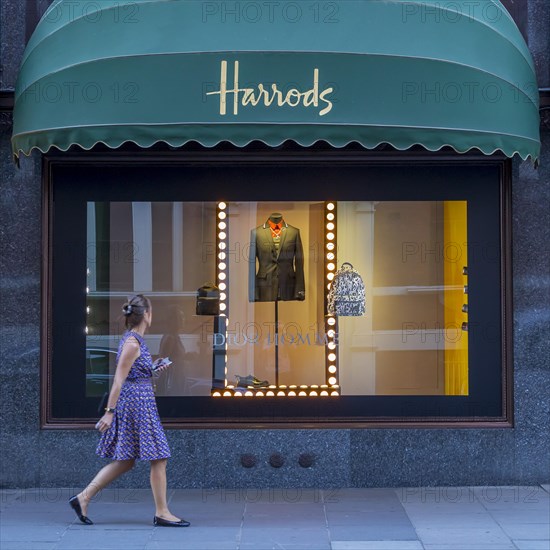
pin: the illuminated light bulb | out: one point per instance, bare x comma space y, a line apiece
293, 386
330, 206
222, 255
303, 385
237, 394
222, 215
86, 330
314, 386
331, 333
324, 392
280, 393
330, 226
223, 307
332, 369
334, 393
332, 380
222, 205
87, 309
330, 246
222, 235
328, 286
282, 386
269, 394
314, 393
331, 267
259, 394
87, 290
331, 345
222, 286
330, 236
229, 386
292, 393
216, 394
222, 225
248, 393
330, 256
227, 394
223, 296
222, 276
222, 266
302, 394
330, 216
222, 246
331, 321
272, 386
330, 276
332, 357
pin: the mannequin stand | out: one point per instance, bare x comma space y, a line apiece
276, 342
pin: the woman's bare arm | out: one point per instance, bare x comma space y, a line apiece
130, 352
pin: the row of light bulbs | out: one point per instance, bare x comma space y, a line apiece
222, 245
331, 328
222, 242
282, 391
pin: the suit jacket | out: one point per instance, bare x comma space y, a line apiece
280, 276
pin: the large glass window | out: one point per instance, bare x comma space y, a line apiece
343, 302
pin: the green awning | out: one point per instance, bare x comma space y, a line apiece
401, 72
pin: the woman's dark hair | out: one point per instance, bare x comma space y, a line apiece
134, 310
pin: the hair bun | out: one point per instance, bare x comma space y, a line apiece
127, 309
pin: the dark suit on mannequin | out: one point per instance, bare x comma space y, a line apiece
280, 274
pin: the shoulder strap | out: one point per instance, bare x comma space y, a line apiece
136, 336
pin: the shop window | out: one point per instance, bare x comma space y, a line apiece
417, 333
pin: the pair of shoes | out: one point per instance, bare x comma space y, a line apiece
160, 522
250, 381
75, 505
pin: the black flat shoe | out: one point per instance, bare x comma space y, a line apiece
75, 505
159, 522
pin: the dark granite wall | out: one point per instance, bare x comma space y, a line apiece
211, 458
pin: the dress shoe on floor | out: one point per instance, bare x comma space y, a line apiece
160, 522
75, 505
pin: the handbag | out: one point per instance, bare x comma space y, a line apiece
208, 300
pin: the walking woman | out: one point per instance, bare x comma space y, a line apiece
131, 427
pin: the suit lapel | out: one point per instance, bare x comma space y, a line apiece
266, 236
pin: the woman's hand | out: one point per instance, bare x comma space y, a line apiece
104, 423
161, 364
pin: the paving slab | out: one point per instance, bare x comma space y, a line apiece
463, 536
526, 531
285, 537
471, 545
532, 544
195, 545
372, 532
376, 545
24, 545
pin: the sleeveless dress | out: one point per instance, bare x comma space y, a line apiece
136, 431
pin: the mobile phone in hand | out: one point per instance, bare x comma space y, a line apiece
161, 362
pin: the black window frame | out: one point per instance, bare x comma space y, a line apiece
91, 176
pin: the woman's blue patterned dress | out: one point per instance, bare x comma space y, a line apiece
136, 431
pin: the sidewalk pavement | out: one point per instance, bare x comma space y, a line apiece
412, 518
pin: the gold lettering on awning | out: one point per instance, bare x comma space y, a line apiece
273, 96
